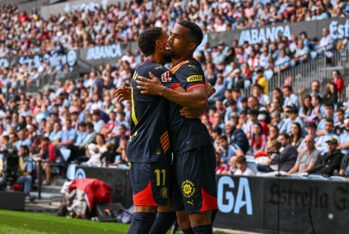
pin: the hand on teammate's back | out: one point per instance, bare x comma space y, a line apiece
122, 94
191, 113
210, 90
150, 86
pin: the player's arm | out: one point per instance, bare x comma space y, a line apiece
195, 98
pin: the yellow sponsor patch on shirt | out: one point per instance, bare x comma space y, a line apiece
195, 78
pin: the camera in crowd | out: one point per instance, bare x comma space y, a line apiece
10, 164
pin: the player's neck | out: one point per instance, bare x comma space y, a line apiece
157, 58
176, 61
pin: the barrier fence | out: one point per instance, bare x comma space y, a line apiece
268, 205
302, 75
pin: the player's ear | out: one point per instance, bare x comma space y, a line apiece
192, 46
159, 44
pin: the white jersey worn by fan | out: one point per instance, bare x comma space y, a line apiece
247, 172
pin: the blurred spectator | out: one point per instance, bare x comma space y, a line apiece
326, 43
242, 168
344, 168
26, 169
307, 159
328, 163
321, 144
337, 80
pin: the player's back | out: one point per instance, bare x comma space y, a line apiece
149, 136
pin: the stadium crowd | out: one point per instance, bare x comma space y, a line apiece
27, 33
79, 121
24, 34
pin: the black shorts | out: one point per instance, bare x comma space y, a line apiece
195, 188
150, 183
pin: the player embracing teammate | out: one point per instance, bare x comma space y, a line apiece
158, 96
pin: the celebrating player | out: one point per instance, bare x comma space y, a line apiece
194, 157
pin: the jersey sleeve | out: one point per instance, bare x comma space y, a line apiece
190, 75
165, 76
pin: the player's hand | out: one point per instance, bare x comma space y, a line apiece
190, 113
122, 94
150, 86
210, 90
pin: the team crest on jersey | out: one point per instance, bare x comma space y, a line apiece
164, 193
188, 188
166, 77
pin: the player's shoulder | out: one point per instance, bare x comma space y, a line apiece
153, 67
191, 71
193, 64
190, 66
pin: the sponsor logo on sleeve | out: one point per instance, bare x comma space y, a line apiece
195, 78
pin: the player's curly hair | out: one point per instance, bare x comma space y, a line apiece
147, 39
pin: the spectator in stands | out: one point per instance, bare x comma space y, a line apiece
26, 169
311, 130
306, 160
47, 154
257, 92
23, 140
326, 44
68, 134
236, 135
338, 81
331, 94
273, 135
290, 97
262, 81
56, 135
95, 151
339, 125
315, 88
344, 168
306, 107
227, 151
302, 52
344, 138
329, 114
292, 117
321, 144
98, 123
284, 158
258, 140
242, 168
296, 134
328, 163
282, 62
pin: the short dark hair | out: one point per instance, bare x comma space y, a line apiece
225, 138
329, 104
46, 139
340, 110
285, 135
147, 40
195, 31
329, 120
241, 160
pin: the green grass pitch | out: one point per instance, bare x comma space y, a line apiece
12, 222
